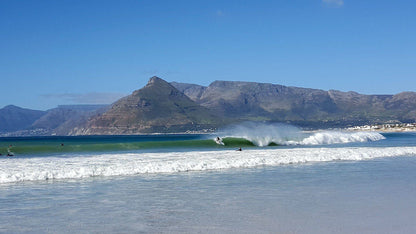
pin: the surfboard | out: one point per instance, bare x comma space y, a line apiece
218, 140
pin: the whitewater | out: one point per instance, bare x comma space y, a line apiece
282, 134
122, 164
77, 165
283, 181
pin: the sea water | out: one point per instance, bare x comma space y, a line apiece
319, 182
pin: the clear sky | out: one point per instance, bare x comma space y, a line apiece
86, 52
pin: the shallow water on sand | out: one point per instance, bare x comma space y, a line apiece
374, 196
341, 183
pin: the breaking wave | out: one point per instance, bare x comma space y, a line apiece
242, 137
51, 168
262, 135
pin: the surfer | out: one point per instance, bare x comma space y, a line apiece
218, 140
239, 149
9, 152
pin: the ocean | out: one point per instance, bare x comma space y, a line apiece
284, 180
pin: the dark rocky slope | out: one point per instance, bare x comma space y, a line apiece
158, 107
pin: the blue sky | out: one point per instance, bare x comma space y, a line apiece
78, 51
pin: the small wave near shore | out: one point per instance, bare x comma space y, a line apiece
124, 164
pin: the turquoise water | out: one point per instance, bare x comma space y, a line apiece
46, 146
356, 186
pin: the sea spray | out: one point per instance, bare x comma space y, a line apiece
337, 137
265, 134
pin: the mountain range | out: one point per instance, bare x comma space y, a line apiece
302, 106
162, 107
17, 121
157, 107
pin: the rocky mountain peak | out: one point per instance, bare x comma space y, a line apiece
157, 107
155, 80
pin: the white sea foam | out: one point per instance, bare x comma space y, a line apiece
336, 137
262, 134
47, 168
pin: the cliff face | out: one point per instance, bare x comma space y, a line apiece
307, 107
158, 107
272, 102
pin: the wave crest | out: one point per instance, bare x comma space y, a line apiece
262, 134
334, 137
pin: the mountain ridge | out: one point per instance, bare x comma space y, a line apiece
157, 107
162, 107
303, 106
14, 118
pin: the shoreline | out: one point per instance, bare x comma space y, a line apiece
408, 127
402, 127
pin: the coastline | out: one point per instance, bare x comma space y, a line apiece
408, 127
397, 127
